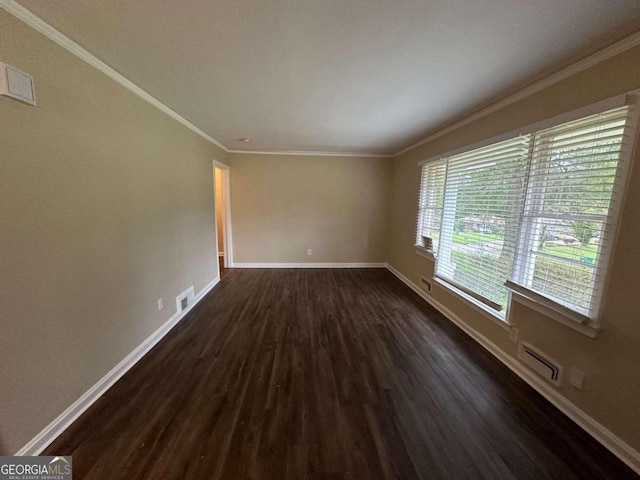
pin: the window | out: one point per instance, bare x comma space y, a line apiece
430, 205
531, 214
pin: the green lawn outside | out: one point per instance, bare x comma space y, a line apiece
586, 254
574, 252
473, 237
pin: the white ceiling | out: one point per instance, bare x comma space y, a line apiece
335, 75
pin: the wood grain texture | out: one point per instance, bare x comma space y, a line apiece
223, 270
327, 374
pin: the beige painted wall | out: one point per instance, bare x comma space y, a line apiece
611, 392
283, 205
106, 205
219, 210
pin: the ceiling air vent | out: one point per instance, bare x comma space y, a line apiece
540, 363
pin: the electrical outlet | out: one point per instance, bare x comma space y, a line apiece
160, 304
309, 252
513, 334
184, 303
576, 378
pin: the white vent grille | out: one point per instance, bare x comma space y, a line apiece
185, 299
540, 363
16, 84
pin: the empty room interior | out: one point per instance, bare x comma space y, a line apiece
320, 239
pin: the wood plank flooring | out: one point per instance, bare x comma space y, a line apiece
325, 374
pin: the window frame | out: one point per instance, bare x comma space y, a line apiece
460, 170
586, 324
427, 205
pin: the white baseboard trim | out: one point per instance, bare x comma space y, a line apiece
43, 439
606, 437
310, 265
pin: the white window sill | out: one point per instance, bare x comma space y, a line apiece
475, 304
423, 252
522, 298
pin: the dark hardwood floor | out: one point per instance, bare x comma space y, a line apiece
328, 374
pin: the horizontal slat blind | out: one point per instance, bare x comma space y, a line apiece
483, 202
430, 204
536, 212
574, 171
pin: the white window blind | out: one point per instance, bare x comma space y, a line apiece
565, 238
430, 204
532, 214
483, 198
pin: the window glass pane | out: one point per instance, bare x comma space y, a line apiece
535, 210
574, 170
564, 260
577, 178
482, 207
568, 283
431, 202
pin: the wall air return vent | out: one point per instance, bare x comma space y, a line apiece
425, 284
185, 299
16, 84
540, 363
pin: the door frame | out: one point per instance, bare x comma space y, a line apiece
227, 236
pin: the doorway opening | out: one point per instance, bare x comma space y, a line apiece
223, 218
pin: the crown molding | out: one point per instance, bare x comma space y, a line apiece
311, 154
41, 26
581, 65
56, 36
47, 30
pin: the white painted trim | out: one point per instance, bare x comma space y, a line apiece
424, 252
43, 439
227, 237
548, 308
310, 265
47, 30
61, 39
41, 26
474, 303
618, 200
591, 109
587, 62
312, 154
606, 437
